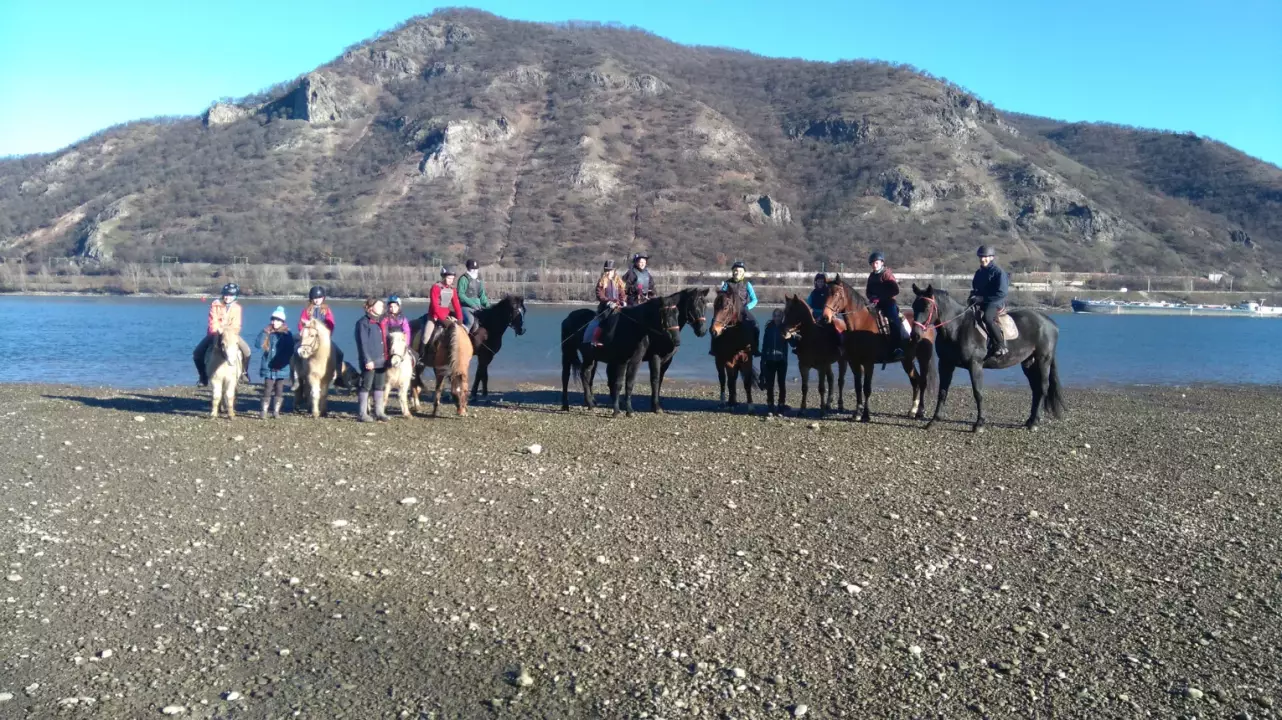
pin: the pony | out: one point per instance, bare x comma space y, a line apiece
818, 348
451, 356
402, 362
865, 345
579, 358
314, 366
960, 342
223, 367
732, 347
487, 340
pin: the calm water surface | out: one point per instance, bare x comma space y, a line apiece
147, 342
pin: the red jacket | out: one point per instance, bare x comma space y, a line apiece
439, 313
327, 317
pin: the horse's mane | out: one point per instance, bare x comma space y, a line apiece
451, 347
856, 298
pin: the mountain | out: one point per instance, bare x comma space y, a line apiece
465, 134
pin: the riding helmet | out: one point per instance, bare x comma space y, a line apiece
316, 292
609, 265
640, 256
473, 265
446, 272
875, 257
393, 299
986, 251
231, 289
738, 264
821, 276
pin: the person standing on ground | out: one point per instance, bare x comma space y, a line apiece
471, 293
774, 363
371, 352
224, 313
882, 290
638, 281
277, 344
988, 290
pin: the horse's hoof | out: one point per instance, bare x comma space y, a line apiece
929, 424
919, 416
1033, 426
865, 417
977, 428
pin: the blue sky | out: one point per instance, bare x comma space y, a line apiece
70, 68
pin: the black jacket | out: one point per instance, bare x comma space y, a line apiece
774, 349
639, 285
882, 286
370, 347
990, 285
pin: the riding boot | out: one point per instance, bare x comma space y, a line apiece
378, 407
200, 372
262, 414
362, 403
276, 406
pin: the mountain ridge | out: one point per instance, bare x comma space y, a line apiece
461, 133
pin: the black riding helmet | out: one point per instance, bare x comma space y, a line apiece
473, 265
875, 257
738, 264
821, 276
986, 251
446, 272
231, 289
640, 256
317, 292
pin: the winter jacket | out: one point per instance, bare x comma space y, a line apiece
326, 315
744, 290
370, 345
389, 321
471, 292
444, 303
990, 285
816, 301
639, 284
774, 349
223, 316
882, 286
280, 348
610, 291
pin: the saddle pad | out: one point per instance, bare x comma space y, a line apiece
1007, 323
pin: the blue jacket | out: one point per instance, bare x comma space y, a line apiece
990, 285
280, 348
745, 291
816, 302
370, 343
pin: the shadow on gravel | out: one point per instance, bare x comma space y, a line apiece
550, 401
146, 403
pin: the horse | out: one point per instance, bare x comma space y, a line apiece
314, 366
865, 345
960, 342
450, 358
576, 356
402, 362
487, 340
818, 348
732, 347
223, 367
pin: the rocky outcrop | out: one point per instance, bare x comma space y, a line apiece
455, 150
93, 244
221, 113
605, 79
1241, 237
1039, 200
833, 130
763, 209
320, 97
906, 188
524, 75
421, 38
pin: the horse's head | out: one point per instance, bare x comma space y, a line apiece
796, 313
931, 308
310, 339
695, 311
836, 300
517, 305
229, 346
726, 311
398, 346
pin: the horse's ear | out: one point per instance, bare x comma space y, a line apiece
916, 290
703, 292
837, 279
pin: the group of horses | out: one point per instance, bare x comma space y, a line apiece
849, 333
942, 336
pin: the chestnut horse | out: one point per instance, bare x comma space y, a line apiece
732, 347
866, 345
818, 348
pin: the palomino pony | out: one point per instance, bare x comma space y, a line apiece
866, 345
691, 306
493, 321
817, 348
732, 347
315, 365
450, 358
223, 367
959, 342
400, 371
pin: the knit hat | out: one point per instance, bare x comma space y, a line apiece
279, 312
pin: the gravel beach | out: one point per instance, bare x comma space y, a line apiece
1124, 562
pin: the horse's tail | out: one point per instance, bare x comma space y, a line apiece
570, 351
1054, 402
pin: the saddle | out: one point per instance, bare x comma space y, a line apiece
883, 323
1007, 324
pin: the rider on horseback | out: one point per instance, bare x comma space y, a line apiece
988, 291
471, 293
444, 304
882, 289
393, 318
818, 296
637, 280
224, 313
740, 286
316, 309
610, 292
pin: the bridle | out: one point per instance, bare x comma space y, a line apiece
933, 312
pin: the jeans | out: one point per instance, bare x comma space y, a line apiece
895, 322
274, 389
375, 379
775, 373
995, 337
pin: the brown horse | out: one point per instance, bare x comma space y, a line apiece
866, 345
732, 347
450, 357
818, 348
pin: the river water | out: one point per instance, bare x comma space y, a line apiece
147, 342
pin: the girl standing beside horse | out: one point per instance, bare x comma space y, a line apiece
277, 344
371, 352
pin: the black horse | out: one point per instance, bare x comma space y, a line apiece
492, 322
960, 343
691, 305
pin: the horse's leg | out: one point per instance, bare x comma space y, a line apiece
721, 378
1037, 370
229, 399
480, 371
865, 415
612, 380
914, 381
459, 383
977, 387
946, 370
747, 385
805, 386
630, 378
436, 402
404, 393
656, 382
841, 385
587, 374
215, 396
565, 384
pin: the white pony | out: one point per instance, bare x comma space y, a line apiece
223, 364
314, 366
400, 371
